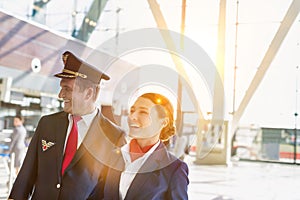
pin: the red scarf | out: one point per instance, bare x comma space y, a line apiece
136, 151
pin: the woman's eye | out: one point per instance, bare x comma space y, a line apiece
144, 112
138, 111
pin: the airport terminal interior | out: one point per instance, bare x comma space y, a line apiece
229, 67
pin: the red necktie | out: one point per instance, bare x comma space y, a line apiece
71, 146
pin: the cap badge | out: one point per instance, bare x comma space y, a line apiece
65, 58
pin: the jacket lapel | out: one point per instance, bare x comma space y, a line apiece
113, 180
139, 183
149, 171
86, 143
97, 143
60, 137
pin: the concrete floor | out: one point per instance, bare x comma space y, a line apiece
244, 181
240, 181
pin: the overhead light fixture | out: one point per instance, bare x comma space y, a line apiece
36, 65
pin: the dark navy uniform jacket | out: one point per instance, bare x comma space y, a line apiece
40, 176
161, 177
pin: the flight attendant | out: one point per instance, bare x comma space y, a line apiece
145, 169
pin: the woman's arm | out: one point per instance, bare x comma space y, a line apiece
179, 182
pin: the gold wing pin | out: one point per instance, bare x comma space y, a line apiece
46, 145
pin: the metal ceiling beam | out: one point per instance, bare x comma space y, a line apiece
179, 114
221, 39
283, 29
162, 24
218, 101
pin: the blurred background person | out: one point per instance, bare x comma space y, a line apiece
18, 142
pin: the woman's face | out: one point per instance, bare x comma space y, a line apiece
143, 120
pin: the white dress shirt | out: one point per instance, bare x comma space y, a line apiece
131, 168
82, 126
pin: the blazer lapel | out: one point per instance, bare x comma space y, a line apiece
113, 180
97, 143
89, 139
79, 153
150, 170
139, 182
60, 137
100, 145
112, 184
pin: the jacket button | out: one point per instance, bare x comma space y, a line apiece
58, 186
